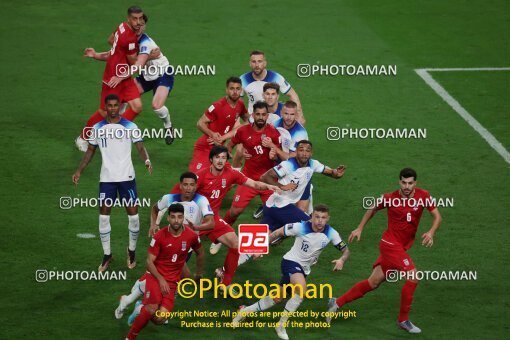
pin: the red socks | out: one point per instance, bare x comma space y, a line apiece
228, 218
230, 265
406, 300
357, 291
140, 322
129, 114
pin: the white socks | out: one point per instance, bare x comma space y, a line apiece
262, 304
243, 258
136, 292
104, 233
291, 306
165, 116
134, 230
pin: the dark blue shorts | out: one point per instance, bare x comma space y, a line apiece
278, 217
289, 268
126, 192
166, 80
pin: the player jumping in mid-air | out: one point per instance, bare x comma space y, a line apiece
311, 238
167, 256
217, 123
198, 216
122, 53
114, 136
403, 220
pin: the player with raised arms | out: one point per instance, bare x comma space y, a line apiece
123, 52
311, 238
198, 216
167, 256
403, 220
218, 123
114, 137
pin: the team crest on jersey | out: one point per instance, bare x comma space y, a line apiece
324, 244
308, 176
199, 165
237, 198
286, 143
183, 246
223, 182
191, 210
102, 196
263, 136
148, 294
406, 262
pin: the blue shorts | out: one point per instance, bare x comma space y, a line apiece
166, 80
289, 268
278, 217
126, 192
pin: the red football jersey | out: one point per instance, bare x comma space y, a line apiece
215, 188
171, 251
259, 162
404, 215
125, 43
223, 117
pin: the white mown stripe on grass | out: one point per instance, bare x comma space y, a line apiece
493, 142
86, 235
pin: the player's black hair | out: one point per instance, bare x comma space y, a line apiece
111, 97
273, 86
134, 9
256, 52
233, 79
290, 104
176, 208
188, 174
145, 18
260, 105
304, 141
408, 172
216, 150
321, 208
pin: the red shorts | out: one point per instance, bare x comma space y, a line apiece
244, 195
126, 91
200, 160
153, 295
393, 257
220, 228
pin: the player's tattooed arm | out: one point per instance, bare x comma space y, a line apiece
428, 237
339, 264
83, 163
277, 234
144, 156
270, 177
151, 267
334, 173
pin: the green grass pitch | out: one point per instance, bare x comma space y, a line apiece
49, 90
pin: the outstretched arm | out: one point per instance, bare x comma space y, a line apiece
334, 173
83, 163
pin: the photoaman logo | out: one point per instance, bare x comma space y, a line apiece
253, 239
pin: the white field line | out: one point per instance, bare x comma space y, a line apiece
493, 142
464, 69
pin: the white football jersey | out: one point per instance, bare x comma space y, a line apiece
309, 244
290, 171
194, 210
114, 141
297, 133
159, 64
254, 88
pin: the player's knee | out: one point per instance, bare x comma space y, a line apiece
375, 281
158, 321
136, 106
151, 309
157, 104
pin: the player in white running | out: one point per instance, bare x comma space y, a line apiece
311, 238
198, 215
114, 137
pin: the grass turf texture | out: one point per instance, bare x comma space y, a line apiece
49, 91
